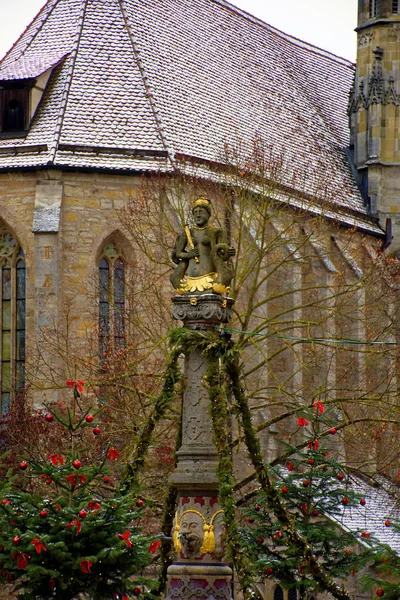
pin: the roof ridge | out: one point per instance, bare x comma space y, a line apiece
291, 38
147, 87
46, 5
64, 100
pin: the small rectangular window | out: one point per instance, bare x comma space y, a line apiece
395, 7
372, 8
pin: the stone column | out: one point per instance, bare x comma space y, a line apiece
199, 571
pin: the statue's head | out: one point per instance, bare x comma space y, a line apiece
203, 203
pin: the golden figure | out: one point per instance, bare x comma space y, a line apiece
202, 256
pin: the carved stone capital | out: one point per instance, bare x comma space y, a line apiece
202, 311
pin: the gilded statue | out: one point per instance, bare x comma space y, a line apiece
202, 255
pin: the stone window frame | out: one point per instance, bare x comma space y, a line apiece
112, 273
12, 318
281, 594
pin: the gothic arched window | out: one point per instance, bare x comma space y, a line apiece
278, 593
111, 300
12, 319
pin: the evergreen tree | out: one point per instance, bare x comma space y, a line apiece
68, 531
315, 490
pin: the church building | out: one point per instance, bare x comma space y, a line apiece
97, 96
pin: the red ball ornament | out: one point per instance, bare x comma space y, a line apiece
260, 540
380, 593
4, 573
285, 489
270, 570
332, 431
76, 464
136, 591
278, 535
49, 418
306, 483
362, 502
387, 523
52, 583
340, 477
96, 430
345, 501
315, 513
251, 520
89, 418
83, 513
23, 465
311, 461
257, 507
43, 514
106, 479
16, 540
140, 503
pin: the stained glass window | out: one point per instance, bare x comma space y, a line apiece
12, 319
111, 300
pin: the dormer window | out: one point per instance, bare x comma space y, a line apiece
14, 107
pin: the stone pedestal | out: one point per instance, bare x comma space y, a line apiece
199, 571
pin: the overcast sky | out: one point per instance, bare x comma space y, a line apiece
328, 24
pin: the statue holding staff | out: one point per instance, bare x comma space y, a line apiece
202, 255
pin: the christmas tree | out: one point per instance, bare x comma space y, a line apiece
65, 528
315, 490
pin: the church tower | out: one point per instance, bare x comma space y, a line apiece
374, 112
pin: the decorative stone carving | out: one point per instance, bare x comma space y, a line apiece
197, 311
365, 39
8, 245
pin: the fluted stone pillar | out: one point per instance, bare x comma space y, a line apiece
199, 571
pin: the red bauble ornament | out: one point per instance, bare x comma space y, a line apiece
251, 520
345, 501
17, 540
106, 479
306, 483
332, 431
362, 502
23, 465
43, 514
136, 591
83, 513
257, 507
387, 523
311, 461
340, 477
140, 503
96, 430
278, 535
10, 578
89, 418
52, 583
285, 489
270, 570
76, 464
260, 540
315, 513
4, 573
380, 593
49, 418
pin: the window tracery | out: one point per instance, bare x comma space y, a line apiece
12, 319
112, 271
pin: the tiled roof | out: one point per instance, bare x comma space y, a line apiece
184, 77
30, 66
380, 505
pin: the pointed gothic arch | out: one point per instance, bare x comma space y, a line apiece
112, 271
12, 317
